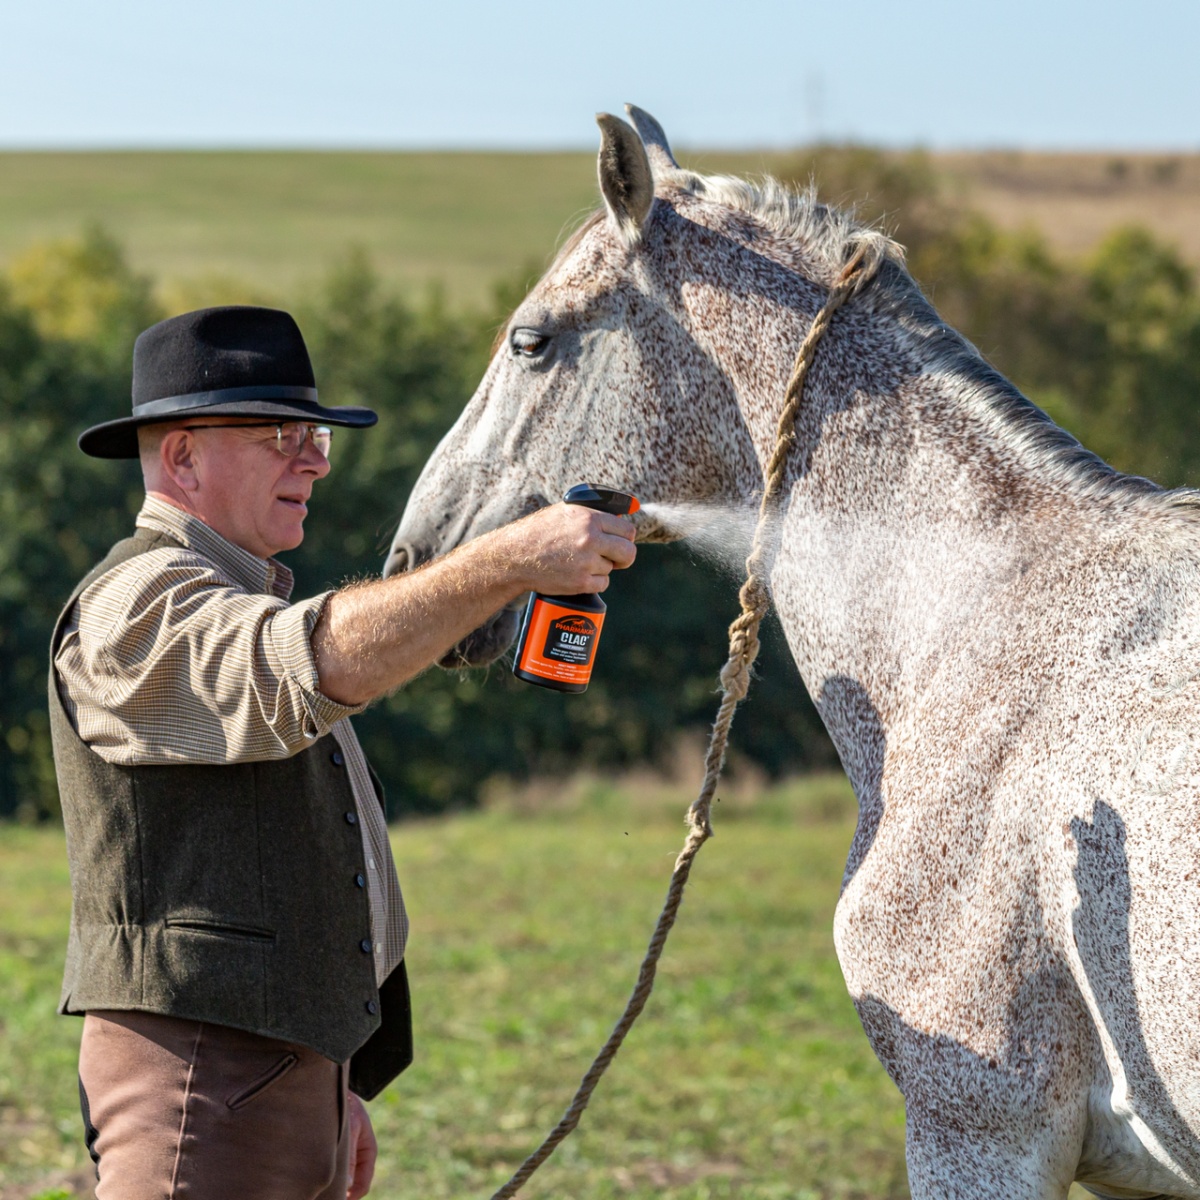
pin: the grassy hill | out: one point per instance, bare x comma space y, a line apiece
277, 219
256, 225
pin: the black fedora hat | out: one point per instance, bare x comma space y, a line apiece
235, 361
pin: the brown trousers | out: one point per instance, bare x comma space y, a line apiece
188, 1110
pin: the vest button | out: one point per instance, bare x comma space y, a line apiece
359, 881
337, 758
351, 818
365, 945
372, 1007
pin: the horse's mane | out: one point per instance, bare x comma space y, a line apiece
830, 237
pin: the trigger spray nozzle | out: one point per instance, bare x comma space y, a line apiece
620, 504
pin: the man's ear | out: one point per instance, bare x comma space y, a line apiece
176, 453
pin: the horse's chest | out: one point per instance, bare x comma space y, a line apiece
944, 950
931, 911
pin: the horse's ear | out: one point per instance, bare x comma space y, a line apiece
651, 132
625, 177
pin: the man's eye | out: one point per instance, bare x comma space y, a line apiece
528, 343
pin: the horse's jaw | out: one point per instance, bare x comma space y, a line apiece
481, 646
484, 645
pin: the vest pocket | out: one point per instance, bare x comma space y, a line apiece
250, 933
264, 1081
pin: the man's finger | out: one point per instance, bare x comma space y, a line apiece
620, 552
363, 1150
618, 526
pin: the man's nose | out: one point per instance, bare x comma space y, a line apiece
311, 459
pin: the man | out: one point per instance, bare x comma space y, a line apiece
237, 931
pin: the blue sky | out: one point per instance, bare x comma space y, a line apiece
464, 73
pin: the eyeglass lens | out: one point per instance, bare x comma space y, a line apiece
291, 437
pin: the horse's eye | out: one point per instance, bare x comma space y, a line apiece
528, 342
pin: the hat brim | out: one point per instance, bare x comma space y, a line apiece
118, 439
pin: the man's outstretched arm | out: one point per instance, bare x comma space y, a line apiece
373, 637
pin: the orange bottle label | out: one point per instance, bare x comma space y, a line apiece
560, 642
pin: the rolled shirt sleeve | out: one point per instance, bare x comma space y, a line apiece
166, 659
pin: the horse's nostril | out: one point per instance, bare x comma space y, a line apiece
402, 558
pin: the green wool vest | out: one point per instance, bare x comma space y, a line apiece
231, 894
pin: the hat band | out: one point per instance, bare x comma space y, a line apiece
172, 404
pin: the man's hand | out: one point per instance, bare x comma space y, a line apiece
373, 637
565, 549
363, 1149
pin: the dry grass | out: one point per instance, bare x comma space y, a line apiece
1075, 199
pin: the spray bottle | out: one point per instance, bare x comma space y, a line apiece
559, 634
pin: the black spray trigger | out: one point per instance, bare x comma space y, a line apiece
608, 500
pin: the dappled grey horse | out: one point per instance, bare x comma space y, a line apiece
1001, 633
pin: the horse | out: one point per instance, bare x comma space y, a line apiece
1001, 634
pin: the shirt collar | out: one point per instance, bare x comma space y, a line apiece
262, 575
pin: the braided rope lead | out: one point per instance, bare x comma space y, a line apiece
735, 682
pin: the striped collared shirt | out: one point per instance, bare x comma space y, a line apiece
194, 655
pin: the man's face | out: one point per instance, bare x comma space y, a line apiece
247, 490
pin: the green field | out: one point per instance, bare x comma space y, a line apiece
262, 224
748, 1076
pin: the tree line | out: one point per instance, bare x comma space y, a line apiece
1109, 346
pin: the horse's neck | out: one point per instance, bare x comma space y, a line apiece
905, 524
914, 507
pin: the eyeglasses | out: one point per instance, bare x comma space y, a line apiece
290, 436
